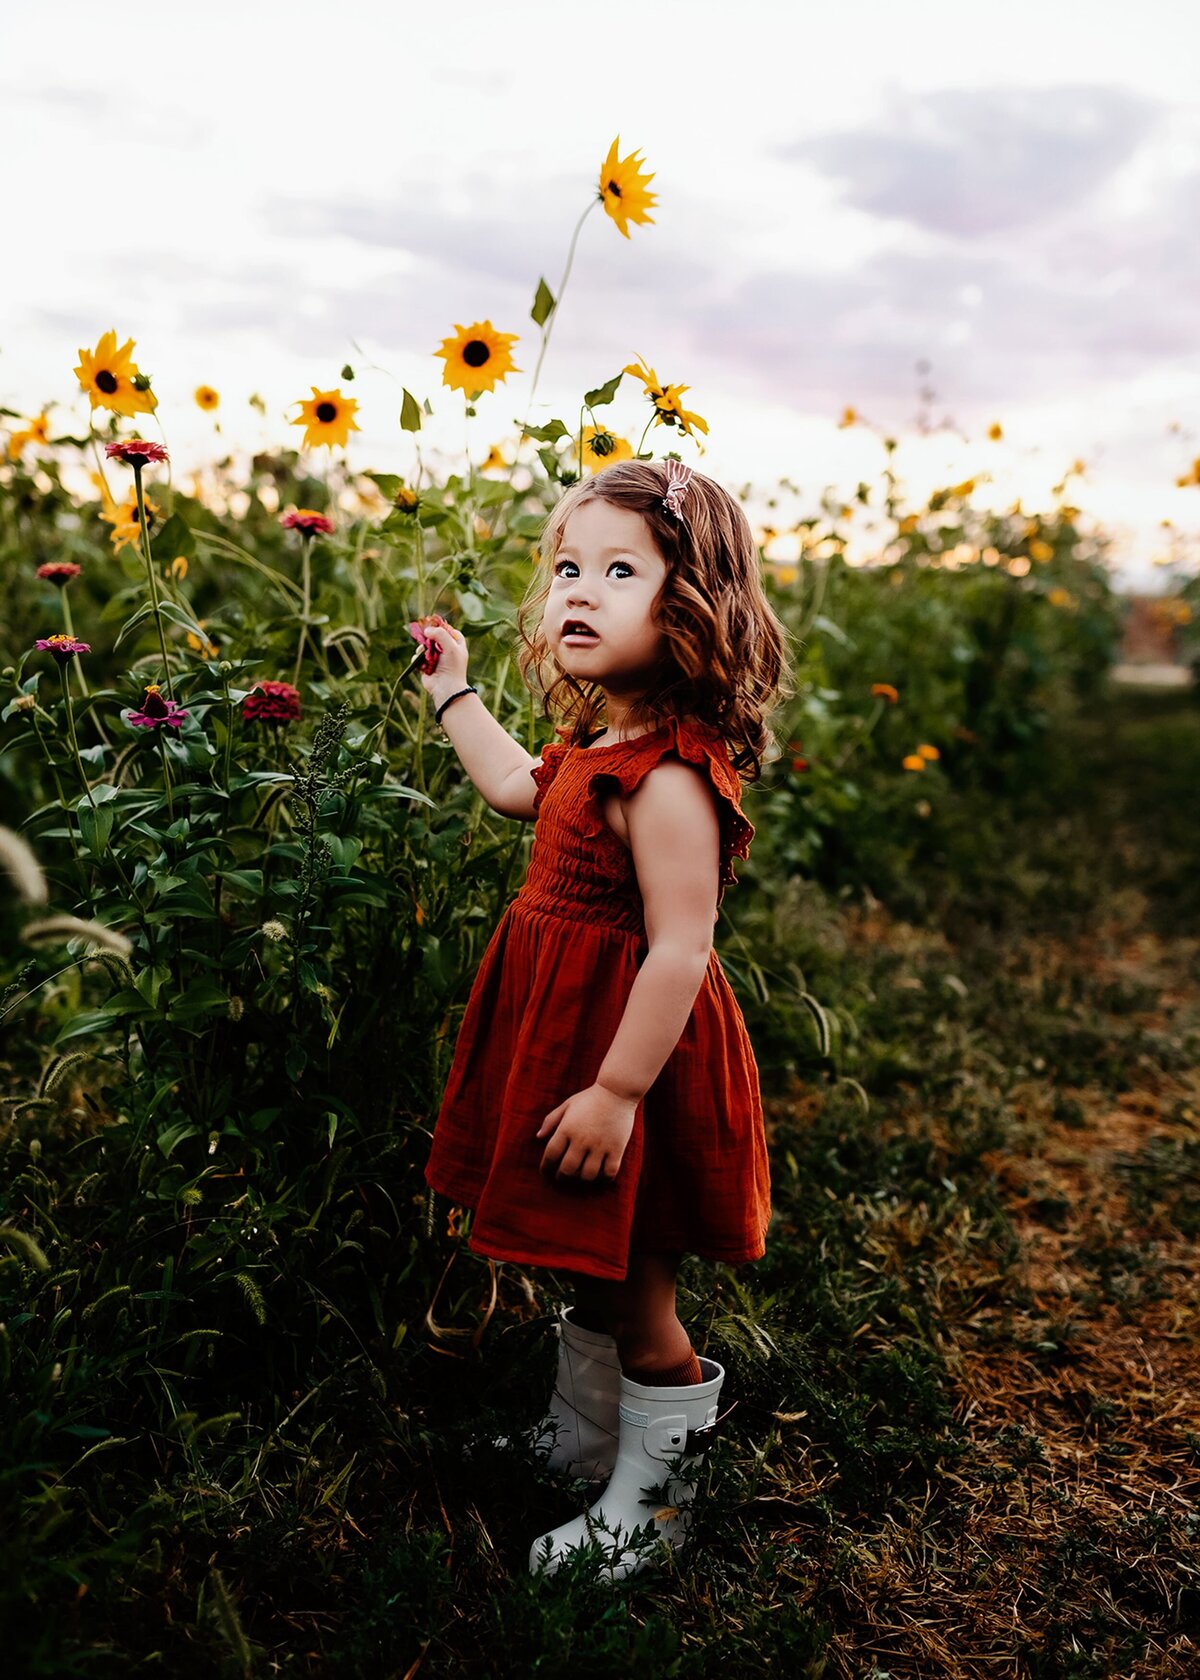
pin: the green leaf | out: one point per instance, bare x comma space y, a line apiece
174, 539
549, 433
347, 372
543, 304
603, 393
95, 827
174, 1135
410, 413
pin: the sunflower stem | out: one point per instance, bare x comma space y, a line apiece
548, 329
66, 687
149, 559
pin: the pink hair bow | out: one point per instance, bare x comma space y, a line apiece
679, 476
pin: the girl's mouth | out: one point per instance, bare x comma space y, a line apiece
576, 634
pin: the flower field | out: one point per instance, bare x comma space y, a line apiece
245, 888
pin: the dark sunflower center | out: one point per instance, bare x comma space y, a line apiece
475, 352
326, 412
614, 189
106, 381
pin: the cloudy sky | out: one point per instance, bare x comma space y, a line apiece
259, 193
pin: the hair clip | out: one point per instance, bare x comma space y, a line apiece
679, 476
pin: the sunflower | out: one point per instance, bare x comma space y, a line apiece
35, 432
477, 357
602, 448
112, 380
623, 189
327, 418
495, 460
205, 397
123, 517
668, 410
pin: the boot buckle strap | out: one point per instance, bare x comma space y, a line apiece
702, 1437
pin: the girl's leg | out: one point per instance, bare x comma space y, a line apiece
639, 1313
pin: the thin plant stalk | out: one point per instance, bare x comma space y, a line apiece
149, 559
547, 329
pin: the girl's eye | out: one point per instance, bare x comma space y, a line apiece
624, 564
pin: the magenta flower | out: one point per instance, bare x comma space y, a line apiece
272, 702
308, 522
432, 651
157, 712
135, 452
62, 647
59, 571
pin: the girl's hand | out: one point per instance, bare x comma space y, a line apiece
590, 1131
450, 671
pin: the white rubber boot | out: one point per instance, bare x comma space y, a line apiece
578, 1435
664, 1434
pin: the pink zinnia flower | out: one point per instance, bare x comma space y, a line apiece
62, 647
308, 522
432, 651
59, 571
272, 702
156, 711
135, 452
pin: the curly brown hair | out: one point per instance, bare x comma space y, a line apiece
725, 661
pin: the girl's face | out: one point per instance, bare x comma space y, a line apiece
608, 573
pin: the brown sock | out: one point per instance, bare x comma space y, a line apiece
684, 1375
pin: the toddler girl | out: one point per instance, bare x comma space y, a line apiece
602, 1115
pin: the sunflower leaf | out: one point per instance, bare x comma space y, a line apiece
410, 413
543, 304
603, 393
549, 433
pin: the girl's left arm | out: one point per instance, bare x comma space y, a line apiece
675, 838
674, 835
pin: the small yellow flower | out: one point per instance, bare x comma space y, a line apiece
786, 574
1059, 597
623, 189
963, 489
123, 517
668, 410
884, 691
205, 648
477, 357
112, 380
908, 523
179, 567
406, 500
1078, 467
495, 460
602, 448
1040, 550
206, 397
327, 418
35, 432
849, 417
995, 431
928, 751
913, 761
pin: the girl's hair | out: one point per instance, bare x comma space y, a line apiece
725, 649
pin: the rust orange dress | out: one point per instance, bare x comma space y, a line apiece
543, 1010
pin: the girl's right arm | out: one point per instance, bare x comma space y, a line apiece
498, 765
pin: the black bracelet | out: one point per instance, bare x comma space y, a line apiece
470, 689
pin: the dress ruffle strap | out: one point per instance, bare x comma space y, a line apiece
697, 744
